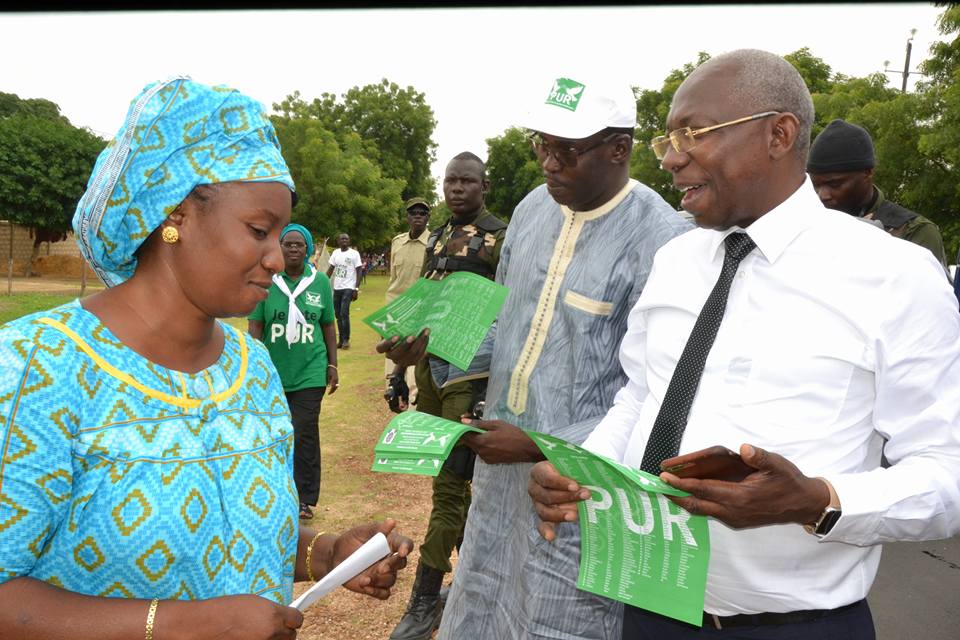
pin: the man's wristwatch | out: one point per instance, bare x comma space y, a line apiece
828, 517
825, 522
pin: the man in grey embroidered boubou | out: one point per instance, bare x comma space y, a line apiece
577, 254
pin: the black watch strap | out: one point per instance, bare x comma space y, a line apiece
828, 518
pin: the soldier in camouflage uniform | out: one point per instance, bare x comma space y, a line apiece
469, 241
841, 166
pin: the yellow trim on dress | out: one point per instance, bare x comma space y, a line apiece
543, 316
185, 402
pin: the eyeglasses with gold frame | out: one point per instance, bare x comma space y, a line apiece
685, 139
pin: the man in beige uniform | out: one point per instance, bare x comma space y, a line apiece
407, 253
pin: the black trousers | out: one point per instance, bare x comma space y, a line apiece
855, 623
341, 309
305, 411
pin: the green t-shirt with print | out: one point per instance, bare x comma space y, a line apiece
302, 364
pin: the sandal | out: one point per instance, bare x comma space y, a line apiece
306, 513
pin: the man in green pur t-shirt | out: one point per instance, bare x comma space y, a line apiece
295, 322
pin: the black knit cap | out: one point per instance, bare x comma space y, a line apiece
841, 146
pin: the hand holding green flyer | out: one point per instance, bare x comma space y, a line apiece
416, 443
636, 546
458, 310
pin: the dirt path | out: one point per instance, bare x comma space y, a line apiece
47, 284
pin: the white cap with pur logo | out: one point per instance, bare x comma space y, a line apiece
576, 110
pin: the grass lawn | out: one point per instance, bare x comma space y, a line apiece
350, 422
20, 304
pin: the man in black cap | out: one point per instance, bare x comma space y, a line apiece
841, 166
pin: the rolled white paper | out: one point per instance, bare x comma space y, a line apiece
371, 552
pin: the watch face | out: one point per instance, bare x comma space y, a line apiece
827, 521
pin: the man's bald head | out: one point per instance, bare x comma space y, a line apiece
763, 81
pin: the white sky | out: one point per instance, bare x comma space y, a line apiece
477, 67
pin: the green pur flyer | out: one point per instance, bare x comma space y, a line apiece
458, 310
636, 545
416, 443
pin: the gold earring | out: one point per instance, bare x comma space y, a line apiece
170, 235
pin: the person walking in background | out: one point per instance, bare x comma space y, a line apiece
407, 253
345, 269
296, 324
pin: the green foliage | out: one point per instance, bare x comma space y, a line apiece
849, 96
44, 165
939, 137
13, 105
395, 125
814, 71
339, 188
513, 171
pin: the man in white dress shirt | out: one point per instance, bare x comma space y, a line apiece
820, 356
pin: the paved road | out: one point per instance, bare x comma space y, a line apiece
917, 591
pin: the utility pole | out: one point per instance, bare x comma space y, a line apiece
906, 63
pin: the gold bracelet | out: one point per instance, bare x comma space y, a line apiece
309, 557
151, 614
334, 366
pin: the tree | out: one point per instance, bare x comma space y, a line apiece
939, 142
339, 189
814, 71
44, 166
847, 97
396, 126
11, 105
513, 171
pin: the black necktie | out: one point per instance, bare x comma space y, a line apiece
664, 441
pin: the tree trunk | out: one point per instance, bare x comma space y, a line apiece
28, 272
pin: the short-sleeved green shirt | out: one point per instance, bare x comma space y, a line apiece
302, 364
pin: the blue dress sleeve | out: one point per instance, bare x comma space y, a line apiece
37, 426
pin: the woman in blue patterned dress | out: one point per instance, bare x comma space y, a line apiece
145, 447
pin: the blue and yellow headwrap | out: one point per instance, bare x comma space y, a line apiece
178, 134
302, 230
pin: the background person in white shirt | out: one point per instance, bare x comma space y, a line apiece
819, 357
345, 267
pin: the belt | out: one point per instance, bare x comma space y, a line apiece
762, 619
